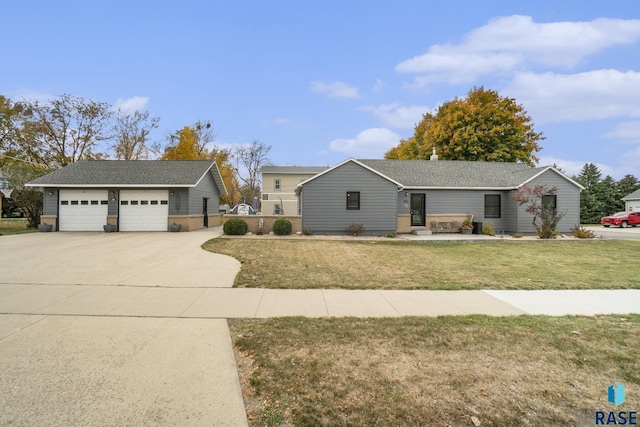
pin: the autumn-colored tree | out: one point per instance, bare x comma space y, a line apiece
61, 131
482, 127
193, 143
545, 218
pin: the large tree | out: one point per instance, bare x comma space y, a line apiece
196, 143
131, 133
484, 126
9, 115
249, 159
63, 130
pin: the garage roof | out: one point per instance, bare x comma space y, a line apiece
131, 173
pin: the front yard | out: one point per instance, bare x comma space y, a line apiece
14, 226
446, 371
394, 264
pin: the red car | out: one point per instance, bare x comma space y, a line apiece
621, 219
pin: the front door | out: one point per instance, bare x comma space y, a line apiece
417, 210
204, 211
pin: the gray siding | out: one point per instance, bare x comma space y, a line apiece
466, 202
50, 202
205, 188
568, 199
179, 202
323, 201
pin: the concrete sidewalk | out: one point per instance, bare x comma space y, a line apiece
224, 303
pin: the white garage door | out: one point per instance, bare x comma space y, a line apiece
144, 210
83, 210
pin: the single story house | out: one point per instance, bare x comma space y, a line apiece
407, 196
632, 201
133, 195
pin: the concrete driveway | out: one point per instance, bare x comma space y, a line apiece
131, 259
87, 367
630, 233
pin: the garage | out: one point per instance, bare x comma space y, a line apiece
144, 210
83, 210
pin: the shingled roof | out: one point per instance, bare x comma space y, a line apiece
633, 196
453, 174
131, 173
293, 169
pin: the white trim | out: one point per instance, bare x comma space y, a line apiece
110, 185
557, 172
350, 159
458, 188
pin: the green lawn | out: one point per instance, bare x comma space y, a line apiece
394, 264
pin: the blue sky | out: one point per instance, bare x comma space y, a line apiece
324, 81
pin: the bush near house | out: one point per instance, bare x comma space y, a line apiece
282, 227
235, 227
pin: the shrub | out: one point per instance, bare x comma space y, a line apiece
282, 227
306, 232
235, 227
487, 228
356, 229
517, 235
391, 234
582, 233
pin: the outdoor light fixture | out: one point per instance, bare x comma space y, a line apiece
51, 193
406, 193
171, 193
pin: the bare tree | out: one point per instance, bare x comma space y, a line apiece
249, 159
131, 132
63, 130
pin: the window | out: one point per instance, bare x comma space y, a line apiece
492, 206
154, 202
353, 200
265, 196
124, 202
549, 202
64, 202
74, 202
104, 202
164, 202
84, 202
94, 202
277, 210
144, 202
276, 184
134, 202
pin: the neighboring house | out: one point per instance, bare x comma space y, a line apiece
134, 195
412, 195
632, 201
279, 187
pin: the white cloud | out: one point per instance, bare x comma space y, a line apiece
573, 167
396, 115
515, 42
626, 132
335, 90
599, 94
137, 103
379, 86
370, 143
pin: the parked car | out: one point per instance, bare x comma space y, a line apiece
621, 219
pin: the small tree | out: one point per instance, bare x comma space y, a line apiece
545, 218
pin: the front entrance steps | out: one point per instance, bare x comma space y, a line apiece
421, 232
